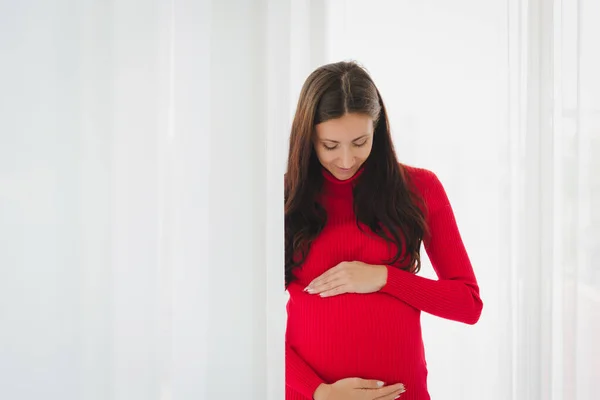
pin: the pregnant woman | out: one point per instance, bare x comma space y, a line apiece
355, 219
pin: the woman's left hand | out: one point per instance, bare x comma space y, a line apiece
349, 277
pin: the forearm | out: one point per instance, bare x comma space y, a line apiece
454, 299
299, 375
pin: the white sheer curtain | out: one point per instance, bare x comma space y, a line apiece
574, 324
499, 99
135, 259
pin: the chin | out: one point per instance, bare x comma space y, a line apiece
344, 176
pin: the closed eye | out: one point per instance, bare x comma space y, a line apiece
335, 146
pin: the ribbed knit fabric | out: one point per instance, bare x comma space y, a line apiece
376, 335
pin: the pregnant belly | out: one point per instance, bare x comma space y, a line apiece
372, 336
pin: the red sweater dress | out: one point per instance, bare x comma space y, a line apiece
375, 335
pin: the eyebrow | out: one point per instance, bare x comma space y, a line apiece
354, 140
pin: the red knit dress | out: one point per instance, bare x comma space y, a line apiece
376, 335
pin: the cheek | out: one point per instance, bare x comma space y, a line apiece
326, 157
363, 152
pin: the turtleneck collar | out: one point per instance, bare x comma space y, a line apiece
334, 182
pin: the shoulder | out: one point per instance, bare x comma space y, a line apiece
418, 175
423, 179
427, 184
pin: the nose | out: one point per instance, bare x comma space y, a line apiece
347, 160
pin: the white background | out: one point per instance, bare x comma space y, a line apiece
142, 147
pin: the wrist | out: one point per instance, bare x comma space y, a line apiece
384, 276
321, 392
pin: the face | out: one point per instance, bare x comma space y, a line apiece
343, 144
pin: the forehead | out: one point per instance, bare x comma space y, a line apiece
347, 127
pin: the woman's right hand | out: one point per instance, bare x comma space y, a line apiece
358, 389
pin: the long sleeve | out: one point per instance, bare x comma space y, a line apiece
298, 375
455, 295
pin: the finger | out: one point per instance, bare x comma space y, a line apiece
389, 391
326, 276
325, 286
392, 396
359, 383
322, 285
335, 291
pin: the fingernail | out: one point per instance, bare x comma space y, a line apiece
379, 383
397, 397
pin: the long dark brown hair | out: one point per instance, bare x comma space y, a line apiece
384, 200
